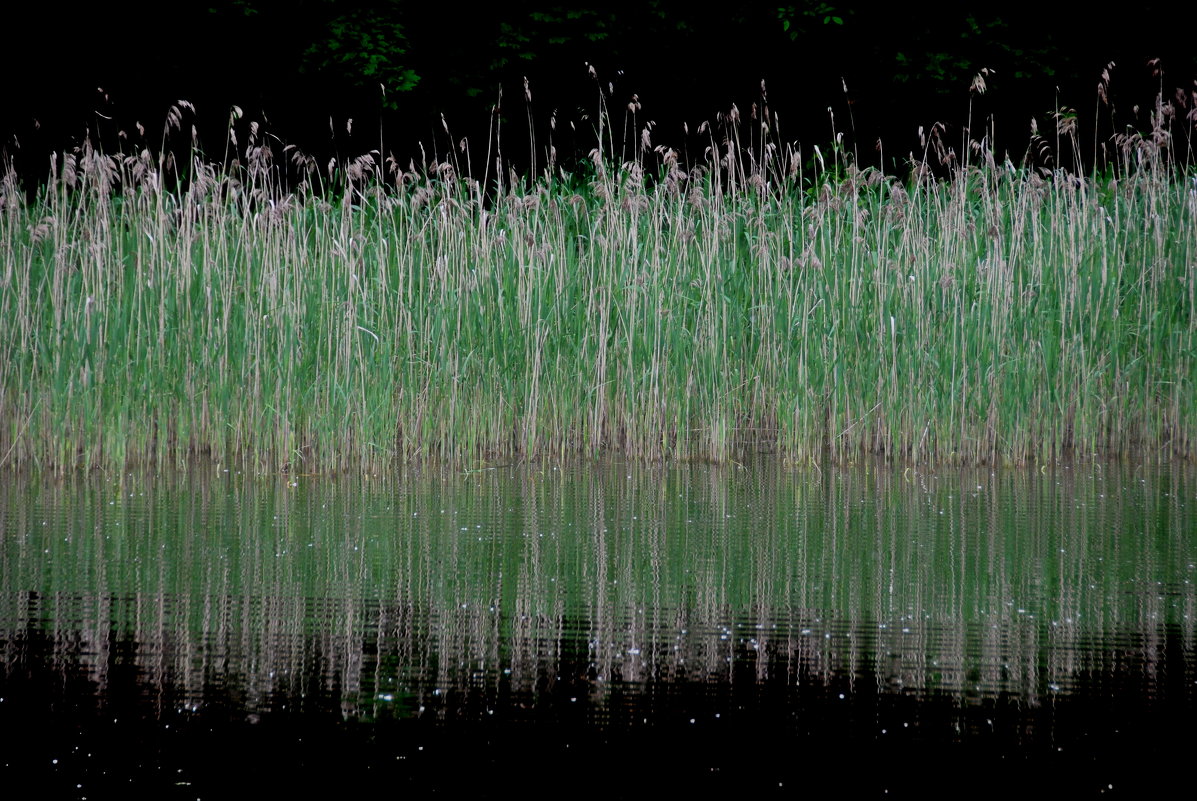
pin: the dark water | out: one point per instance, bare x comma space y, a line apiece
601, 631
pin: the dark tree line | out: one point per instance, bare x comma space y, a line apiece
304, 68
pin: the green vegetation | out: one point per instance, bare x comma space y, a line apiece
651, 308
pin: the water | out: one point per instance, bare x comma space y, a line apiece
600, 631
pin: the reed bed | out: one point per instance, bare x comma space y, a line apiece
645, 308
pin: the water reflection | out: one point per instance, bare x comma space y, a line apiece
730, 613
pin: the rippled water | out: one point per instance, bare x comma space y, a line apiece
603, 630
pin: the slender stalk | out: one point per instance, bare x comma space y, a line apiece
999, 316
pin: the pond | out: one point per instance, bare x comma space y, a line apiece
601, 630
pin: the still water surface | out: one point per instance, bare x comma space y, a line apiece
601, 631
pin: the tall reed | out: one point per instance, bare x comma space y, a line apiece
651, 308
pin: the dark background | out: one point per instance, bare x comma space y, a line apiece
302, 69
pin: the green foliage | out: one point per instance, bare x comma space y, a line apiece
801, 21
366, 48
531, 37
943, 56
363, 44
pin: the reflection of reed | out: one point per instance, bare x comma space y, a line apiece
506, 592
